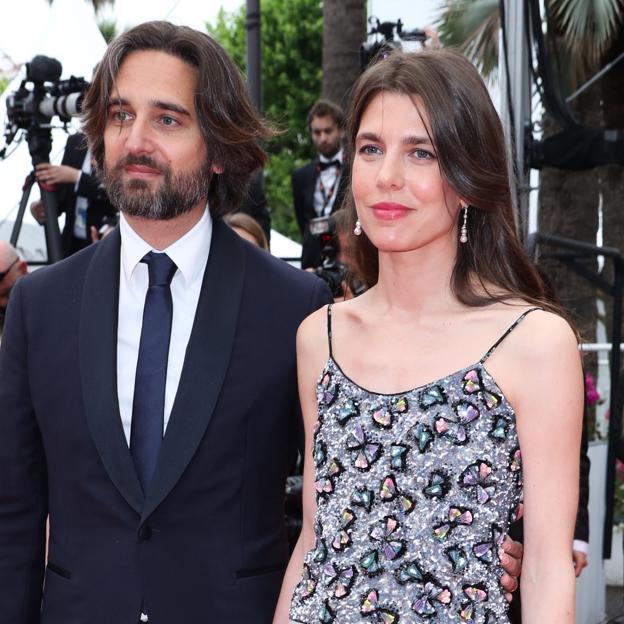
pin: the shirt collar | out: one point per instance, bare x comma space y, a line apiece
190, 252
337, 156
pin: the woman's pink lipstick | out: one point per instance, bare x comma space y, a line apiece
389, 211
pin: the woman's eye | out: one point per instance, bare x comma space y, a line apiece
422, 154
369, 150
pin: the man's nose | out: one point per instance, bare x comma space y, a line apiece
140, 139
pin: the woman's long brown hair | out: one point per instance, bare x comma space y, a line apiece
469, 142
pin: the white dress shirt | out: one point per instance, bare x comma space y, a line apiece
330, 179
190, 254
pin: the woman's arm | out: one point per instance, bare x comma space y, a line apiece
312, 352
548, 400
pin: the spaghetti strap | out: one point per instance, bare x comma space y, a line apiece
509, 330
329, 329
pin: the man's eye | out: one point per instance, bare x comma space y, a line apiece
168, 121
118, 115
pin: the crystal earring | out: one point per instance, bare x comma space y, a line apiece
357, 230
463, 233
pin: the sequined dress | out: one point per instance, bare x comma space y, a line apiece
415, 491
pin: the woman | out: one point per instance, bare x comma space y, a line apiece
407, 493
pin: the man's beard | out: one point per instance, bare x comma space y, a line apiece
176, 195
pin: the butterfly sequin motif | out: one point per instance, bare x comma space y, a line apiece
429, 597
347, 411
433, 395
365, 453
384, 416
491, 399
343, 537
326, 615
499, 429
326, 484
340, 579
320, 452
308, 583
457, 516
328, 390
455, 427
471, 382
458, 558
370, 563
409, 572
476, 594
389, 492
478, 476
486, 551
423, 435
363, 497
371, 607
438, 485
387, 533
398, 456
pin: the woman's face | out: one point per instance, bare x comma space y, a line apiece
403, 203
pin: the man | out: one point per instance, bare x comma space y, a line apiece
148, 382
11, 269
319, 186
81, 196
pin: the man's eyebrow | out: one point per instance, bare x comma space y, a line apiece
159, 104
170, 106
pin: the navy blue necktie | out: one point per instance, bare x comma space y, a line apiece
148, 406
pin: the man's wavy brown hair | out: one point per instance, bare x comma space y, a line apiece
231, 127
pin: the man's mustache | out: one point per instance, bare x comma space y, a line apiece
143, 160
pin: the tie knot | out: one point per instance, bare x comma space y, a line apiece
161, 268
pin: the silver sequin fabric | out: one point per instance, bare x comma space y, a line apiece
414, 491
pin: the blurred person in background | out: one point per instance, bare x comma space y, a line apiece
12, 267
248, 228
318, 187
81, 196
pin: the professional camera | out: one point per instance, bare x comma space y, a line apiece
388, 43
32, 109
331, 269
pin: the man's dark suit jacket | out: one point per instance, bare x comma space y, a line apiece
303, 185
207, 542
89, 186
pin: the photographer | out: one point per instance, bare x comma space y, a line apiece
80, 196
318, 186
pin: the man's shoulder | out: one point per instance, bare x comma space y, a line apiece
305, 170
67, 270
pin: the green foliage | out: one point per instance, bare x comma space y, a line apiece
108, 28
291, 37
3, 83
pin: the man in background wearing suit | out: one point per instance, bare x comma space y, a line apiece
319, 186
81, 196
147, 383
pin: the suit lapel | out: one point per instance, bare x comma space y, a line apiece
311, 187
98, 368
206, 362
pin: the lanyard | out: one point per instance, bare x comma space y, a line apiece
327, 194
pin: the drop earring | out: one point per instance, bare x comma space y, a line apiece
357, 230
463, 232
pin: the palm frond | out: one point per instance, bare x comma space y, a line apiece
588, 26
472, 26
